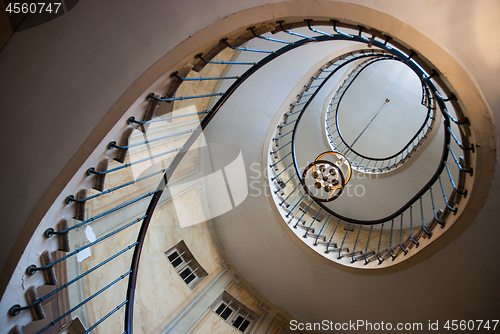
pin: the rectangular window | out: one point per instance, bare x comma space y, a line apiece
241, 323
224, 311
187, 275
185, 265
234, 312
175, 259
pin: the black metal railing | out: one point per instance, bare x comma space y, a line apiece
287, 36
397, 242
363, 162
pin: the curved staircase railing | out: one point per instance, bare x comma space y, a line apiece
362, 162
388, 240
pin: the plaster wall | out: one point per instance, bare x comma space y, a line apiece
106, 39
78, 75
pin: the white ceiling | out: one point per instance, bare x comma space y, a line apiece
378, 128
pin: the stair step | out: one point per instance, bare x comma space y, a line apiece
279, 189
397, 250
63, 238
285, 203
325, 243
49, 274
331, 245
312, 212
80, 206
344, 249
100, 178
316, 235
37, 310
306, 227
383, 255
364, 256
122, 152
285, 207
292, 216
434, 222
149, 114
356, 252
408, 243
419, 234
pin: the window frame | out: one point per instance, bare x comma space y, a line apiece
245, 318
188, 263
192, 273
237, 310
179, 256
227, 306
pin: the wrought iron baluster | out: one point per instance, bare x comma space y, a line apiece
424, 227
291, 211
343, 240
50, 231
310, 203
434, 210
274, 178
32, 269
84, 302
92, 170
14, 310
454, 210
401, 237
411, 228
355, 243
331, 237
113, 143
312, 222
132, 119
322, 227
367, 242
379, 242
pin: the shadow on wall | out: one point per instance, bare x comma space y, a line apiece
26, 15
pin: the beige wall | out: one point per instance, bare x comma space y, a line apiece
212, 323
161, 293
74, 81
243, 296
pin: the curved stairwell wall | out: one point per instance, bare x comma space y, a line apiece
102, 99
130, 167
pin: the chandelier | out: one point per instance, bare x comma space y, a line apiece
324, 179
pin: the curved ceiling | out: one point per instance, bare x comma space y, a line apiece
254, 239
381, 110
281, 269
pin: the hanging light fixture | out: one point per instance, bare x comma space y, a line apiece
324, 179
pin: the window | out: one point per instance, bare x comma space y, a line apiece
175, 259
241, 323
185, 265
224, 311
187, 275
234, 312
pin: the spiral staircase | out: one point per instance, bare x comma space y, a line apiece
163, 158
